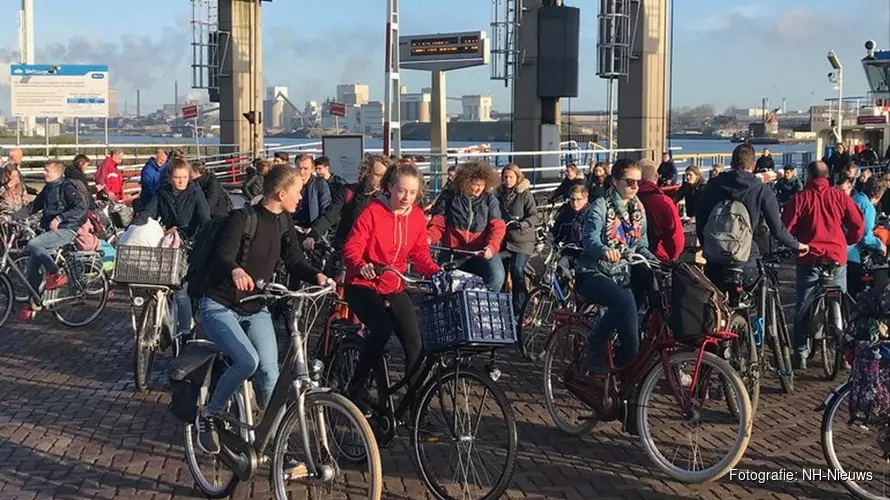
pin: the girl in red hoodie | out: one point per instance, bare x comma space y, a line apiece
391, 231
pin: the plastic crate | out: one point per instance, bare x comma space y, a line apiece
150, 265
469, 318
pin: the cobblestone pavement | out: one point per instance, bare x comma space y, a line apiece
71, 426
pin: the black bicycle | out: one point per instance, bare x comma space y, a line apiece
445, 404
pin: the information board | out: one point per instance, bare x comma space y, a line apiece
59, 91
443, 51
345, 153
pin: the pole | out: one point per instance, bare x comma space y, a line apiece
46, 134
106, 136
611, 117
840, 105
18, 131
77, 135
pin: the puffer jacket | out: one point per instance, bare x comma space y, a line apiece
60, 198
187, 210
518, 204
459, 221
316, 199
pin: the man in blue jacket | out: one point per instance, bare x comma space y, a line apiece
316, 193
865, 200
152, 176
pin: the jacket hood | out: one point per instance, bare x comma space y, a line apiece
522, 187
736, 182
647, 187
72, 172
818, 185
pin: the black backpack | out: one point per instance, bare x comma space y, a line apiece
698, 307
202, 257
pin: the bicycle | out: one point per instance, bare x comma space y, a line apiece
152, 333
831, 304
629, 391
86, 280
428, 379
762, 300
297, 397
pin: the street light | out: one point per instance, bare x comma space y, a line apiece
836, 64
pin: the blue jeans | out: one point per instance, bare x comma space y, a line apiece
490, 270
253, 350
517, 278
621, 315
38, 248
807, 279
183, 309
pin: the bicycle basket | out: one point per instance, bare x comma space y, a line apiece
466, 319
150, 265
869, 400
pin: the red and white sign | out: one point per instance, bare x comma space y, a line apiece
337, 109
190, 111
871, 120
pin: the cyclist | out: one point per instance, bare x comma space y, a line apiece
244, 332
865, 200
573, 177
391, 231
178, 205
217, 198
77, 173
468, 217
151, 176
518, 204
664, 227
568, 226
598, 180
615, 226
316, 193
64, 212
109, 182
13, 193
252, 189
348, 203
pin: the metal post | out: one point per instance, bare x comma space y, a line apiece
197, 141
18, 131
106, 136
611, 118
46, 134
840, 105
77, 135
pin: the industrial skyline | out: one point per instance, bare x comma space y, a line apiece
783, 43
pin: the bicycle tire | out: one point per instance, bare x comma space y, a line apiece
291, 422
423, 467
19, 288
830, 344
531, 345
334, 364
228, 488
144, 353
95, 267
781, 343
750, 372
733, 381
6, 289
556, 338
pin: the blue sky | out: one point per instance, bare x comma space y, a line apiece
727, 52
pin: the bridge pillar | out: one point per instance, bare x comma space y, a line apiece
241, 76
642, 121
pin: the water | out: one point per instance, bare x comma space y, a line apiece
687, 146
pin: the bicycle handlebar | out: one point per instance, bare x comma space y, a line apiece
636, 259
406, 279
472, 253
276, 290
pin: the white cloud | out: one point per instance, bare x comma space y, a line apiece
730, 18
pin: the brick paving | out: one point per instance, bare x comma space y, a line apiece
71, 426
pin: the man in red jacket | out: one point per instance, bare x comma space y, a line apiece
108, 178
665, 230
828, 221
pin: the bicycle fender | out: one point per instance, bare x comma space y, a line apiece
834, 392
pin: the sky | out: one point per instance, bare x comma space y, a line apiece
726, 52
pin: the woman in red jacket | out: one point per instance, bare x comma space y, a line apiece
391, 231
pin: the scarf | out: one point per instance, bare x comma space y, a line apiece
624, 222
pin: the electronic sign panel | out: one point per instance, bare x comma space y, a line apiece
444, 51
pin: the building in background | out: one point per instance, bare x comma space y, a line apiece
416, 107
476, 108
112, 103
278, 112
372, 118
353, 93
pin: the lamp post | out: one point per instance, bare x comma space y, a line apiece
836, 64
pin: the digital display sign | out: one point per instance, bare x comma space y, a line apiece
444, 51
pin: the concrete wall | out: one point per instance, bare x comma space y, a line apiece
240, 84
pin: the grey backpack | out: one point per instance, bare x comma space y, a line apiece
728, 234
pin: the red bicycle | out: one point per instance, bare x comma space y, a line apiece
672, 386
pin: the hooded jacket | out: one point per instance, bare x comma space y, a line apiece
568, 225
565, 187
186, 210
316, 199
150, 180
785, 188
381, 237
518, 204
826, 219
217, 199
664, 228
869, 240
60, 198
758, 198
459, 221
107, 174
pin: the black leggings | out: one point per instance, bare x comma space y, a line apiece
382, 321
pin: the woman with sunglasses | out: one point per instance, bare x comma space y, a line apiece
615, 228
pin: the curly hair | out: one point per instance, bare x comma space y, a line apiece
475, 171
367, 165
401, 169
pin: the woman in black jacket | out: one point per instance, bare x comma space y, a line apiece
691, 190
598, 181
519, 210
178, 205
573, 178
252, 189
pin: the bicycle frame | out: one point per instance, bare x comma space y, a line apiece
161, 294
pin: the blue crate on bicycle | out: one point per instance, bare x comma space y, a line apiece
467, 319
150, 265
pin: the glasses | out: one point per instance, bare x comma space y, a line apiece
631, 182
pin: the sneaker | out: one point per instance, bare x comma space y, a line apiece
799, 361
27, 313
54, 281
360, 396
208, 437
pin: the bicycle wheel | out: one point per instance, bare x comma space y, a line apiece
742, 356
85, 294
435, 442
830, 345
147, 338
219, 481
340, 365
781, 342
565, 349
7, 297
651, 420
328, 416
18, 286
536, 322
